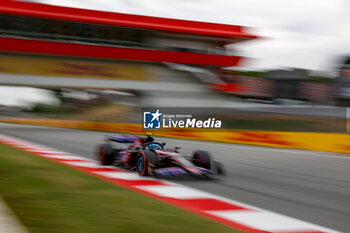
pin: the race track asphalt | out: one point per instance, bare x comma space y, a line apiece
308, 185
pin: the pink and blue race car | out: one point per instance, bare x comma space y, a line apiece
150, 158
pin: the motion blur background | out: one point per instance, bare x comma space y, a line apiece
259, 66
77, 64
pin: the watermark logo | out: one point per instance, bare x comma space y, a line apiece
152, 120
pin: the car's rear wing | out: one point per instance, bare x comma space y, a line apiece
123, 139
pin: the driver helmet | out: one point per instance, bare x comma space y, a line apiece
154, 146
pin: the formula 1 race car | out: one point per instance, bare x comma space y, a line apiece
149, 158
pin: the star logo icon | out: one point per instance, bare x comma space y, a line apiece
156, 115
151, 119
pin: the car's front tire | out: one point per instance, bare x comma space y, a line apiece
202, 158
219, 168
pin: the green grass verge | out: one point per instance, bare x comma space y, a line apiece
49, 197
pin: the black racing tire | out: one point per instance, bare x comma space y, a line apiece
143, 161
202, 158
219, 168
105, 154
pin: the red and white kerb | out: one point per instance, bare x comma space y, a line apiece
240, 216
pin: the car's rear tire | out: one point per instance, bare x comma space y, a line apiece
105, 154
202, 158
145, 159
